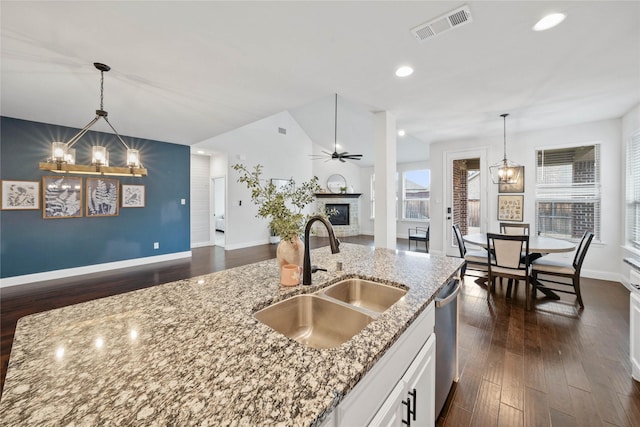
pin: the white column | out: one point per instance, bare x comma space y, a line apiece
384, 235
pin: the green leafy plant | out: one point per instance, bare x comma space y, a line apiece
282, 206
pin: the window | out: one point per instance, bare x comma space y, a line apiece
415, 194
633, 191
568, 191
372, 193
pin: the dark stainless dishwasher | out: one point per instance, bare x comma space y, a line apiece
446, 342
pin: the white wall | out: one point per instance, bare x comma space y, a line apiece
220, 197
603, 259
282, 156
200, 200
349, 169
218, 165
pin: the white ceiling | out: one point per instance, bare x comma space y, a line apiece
184, 72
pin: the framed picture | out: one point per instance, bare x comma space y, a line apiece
280, 184
133, 196
61, 197
18, 195
102, 197
510, 208
518, 187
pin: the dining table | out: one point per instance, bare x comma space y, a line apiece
538, 246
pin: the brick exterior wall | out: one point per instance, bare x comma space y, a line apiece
583, 213
460, 194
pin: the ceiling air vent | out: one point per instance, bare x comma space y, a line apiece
282, 131
446, 22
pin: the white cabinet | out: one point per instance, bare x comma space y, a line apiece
421, 385
408, 364
412, 402
393, 411
634, 320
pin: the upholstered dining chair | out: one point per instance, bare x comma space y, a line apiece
514, 228
506, 261
475, 259
558, 269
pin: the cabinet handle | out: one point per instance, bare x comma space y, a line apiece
408, 404
413, 394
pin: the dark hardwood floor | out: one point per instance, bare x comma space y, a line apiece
553, 366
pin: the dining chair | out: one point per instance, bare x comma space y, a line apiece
419, 234
474, 259
506, 261
514, 228
562, 270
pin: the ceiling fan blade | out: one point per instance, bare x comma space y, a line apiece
342, 160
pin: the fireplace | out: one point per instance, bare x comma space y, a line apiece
341, 217
347, 222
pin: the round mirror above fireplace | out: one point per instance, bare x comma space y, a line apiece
336, 183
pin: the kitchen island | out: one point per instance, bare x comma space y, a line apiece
192, 353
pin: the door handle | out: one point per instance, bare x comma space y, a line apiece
413, 394
408, 405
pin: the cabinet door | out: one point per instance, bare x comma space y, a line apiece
393, 411
420, 379
634, 320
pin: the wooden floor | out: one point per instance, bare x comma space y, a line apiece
554, 366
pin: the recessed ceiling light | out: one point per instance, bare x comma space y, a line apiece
549, 21
401, 132
404, 71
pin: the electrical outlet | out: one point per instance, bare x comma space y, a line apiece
156, 245
183, 201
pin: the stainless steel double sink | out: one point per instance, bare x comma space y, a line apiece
333, 315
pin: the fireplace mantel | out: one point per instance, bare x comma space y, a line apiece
338, 195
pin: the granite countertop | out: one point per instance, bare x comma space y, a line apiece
191, 352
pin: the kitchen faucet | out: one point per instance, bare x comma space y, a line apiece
306, 268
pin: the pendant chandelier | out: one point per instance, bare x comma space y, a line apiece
505, 171
63, 156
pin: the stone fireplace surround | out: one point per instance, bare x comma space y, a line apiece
353, 200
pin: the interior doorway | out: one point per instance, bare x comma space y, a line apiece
218, 209
466, 196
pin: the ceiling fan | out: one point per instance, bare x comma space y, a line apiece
344, 156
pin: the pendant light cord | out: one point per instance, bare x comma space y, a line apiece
504, 133
101, 90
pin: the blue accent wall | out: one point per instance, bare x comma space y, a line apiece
30, 244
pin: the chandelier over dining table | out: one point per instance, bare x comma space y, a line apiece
505, 171
63, 156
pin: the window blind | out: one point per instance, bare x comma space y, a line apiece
633, 191
568, 198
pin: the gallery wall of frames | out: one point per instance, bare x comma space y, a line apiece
54, 221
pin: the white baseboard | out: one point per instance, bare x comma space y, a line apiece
246, 244
95, 268
602, 275
201, 244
